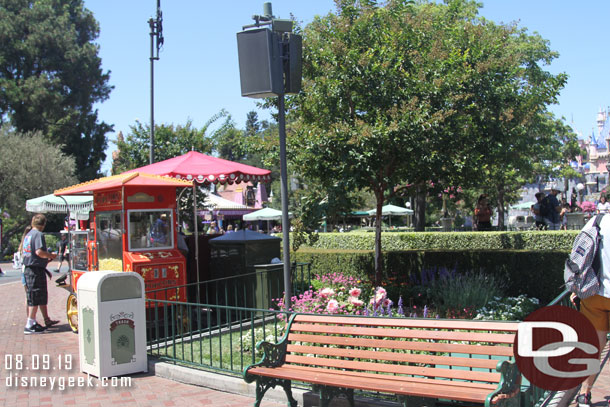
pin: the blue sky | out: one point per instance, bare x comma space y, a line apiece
198, 75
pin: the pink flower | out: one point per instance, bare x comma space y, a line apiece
355, 292
355, 301
327, 292
332, 306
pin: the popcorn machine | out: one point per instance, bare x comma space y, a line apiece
134, 230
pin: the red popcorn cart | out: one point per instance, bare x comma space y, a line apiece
133, 229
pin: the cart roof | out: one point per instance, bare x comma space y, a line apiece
206, 169
115, 181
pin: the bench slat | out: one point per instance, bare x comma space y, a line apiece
413, 323
394, 356
404, 345
442, 390
405, 333
393, 368
474, 385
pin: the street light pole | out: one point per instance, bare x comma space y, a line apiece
156, 41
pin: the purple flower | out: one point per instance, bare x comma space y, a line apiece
401, 311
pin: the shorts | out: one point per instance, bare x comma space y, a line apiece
36, 284
63, 257
597, 310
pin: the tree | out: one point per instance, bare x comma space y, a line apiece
29, 167
51, 76
506, 94
170, 141
378, 101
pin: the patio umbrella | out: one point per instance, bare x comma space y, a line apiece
265, 214
389, 210
194, 166
78, 205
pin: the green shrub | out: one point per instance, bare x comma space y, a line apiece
537, 274
460, 295
525, 240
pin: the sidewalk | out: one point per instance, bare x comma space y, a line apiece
60, 345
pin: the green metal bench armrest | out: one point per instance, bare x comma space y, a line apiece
508, 391
274, 354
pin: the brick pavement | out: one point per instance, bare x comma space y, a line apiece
59, 343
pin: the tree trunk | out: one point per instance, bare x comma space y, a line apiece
378, 254
500, 190
420, 207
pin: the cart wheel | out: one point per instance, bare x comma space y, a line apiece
72, 312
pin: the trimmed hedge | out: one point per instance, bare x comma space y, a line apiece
534, 273
526, 240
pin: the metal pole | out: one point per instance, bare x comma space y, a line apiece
284, 189
196, 231
151, 22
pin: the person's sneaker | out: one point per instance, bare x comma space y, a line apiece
35, 329
584, 400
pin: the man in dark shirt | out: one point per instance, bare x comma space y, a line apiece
35, 259
552, 219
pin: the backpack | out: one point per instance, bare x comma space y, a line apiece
545, 207
581, 271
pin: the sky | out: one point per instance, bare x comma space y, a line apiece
197, 74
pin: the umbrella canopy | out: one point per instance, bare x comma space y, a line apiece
205, 169
523, 205
115, 181
78, 205
392, 210
265, 214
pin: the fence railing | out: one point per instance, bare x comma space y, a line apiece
255, 289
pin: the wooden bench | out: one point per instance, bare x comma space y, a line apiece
419, 360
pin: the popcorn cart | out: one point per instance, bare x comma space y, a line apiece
134, 229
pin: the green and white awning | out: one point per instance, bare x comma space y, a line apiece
79, 206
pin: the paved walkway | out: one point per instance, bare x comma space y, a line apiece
60, 345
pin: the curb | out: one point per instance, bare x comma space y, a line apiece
236, 385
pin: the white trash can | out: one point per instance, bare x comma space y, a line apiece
111, 323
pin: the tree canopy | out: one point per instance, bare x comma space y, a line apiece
417, 94
51, 77
29, 167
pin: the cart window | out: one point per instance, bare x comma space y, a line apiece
109, 239
78, 253
152, 229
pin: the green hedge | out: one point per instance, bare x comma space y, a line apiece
527, 240
535, 273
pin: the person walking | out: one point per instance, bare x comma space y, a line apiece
63, 250
597, 307
550, 209
482, 213
35, 259
540, 224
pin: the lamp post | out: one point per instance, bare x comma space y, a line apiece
156, 41
270, 65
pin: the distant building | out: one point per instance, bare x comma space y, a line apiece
594, 165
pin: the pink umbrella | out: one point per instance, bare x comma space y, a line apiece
194, 166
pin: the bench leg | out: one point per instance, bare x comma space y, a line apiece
264, 383
287, 385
